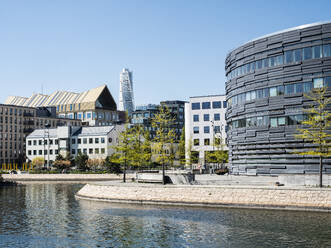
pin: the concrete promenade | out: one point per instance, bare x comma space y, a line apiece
63, 177
269, 197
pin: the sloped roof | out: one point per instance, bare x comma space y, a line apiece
94, 131
59, 98
41, 133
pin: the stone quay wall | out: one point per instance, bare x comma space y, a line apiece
63, 177
308, 199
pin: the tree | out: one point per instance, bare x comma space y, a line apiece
95, 164
218, 155
81, 161
181, 153
124, 151
62, 163
112, 166
316, 128
164, 137
38, 163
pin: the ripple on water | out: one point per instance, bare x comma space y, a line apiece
48, 215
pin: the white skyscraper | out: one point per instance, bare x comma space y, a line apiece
126, 102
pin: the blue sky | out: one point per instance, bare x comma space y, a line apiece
176, 49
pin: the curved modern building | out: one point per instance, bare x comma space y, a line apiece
266, 82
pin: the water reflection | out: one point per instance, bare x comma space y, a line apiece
48, 215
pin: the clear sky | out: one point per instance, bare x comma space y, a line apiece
175, 48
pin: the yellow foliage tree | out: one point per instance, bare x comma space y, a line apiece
316, 129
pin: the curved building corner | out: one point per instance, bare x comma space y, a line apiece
266, 82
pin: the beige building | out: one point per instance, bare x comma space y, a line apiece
95, 107
16, 122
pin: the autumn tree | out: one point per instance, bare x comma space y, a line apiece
316, 128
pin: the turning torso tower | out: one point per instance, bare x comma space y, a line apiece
126, 101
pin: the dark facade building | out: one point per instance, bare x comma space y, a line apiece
176, 108
266, 82
143, 116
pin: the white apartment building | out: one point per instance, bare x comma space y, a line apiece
96, 142
204, 123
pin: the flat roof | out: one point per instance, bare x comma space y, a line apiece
284, 31
206, 96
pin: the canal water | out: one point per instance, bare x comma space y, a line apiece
48, 215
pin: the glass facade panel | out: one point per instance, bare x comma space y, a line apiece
318, 83
206, 117
217, 117
317, 52
307, 53
288, 57
273, 122
281, 121
307, 87
327, 50
298, 88
206, 129
195, 117
297, 55
273, 91
195, 129
289, 89
224, 104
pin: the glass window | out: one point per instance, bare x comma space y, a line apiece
206, 129
327, 50
273, 122
73, 141
252, 66
196, 142
317, 52
327, 82
85, 141
195, 105
318, 83
195, 129
307, 53
289, 89
273, 91
259, 121
288, 57
280, 90
248, 96
96, 140
217, 104
207, 142
102, 140
88, 115
279, 60
297, 55
307, 87
96, 150
90, 140
298, 88
259, 64
217, 129
224, 104
265, 63
281, 121
206, 117
103, 150
195, 117
206, 105
90, 151
217, 117
272, 61
85, 151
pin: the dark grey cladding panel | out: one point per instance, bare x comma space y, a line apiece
260, 148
